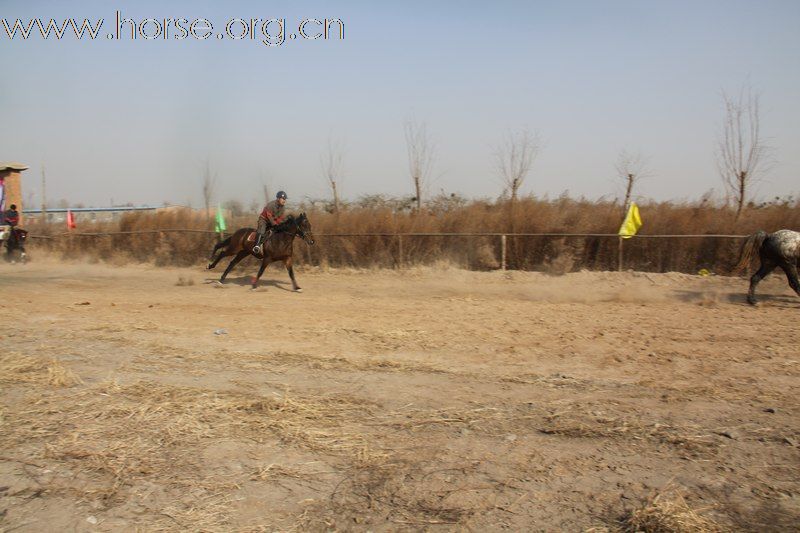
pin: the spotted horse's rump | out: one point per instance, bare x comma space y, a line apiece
778, 249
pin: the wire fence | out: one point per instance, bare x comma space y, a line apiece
494, 234
404, 242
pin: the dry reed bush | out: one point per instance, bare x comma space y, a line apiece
528, 215
668, 512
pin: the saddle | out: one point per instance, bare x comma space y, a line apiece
251, 237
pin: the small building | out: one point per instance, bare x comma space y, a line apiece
11, 185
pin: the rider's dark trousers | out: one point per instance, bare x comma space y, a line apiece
263, 226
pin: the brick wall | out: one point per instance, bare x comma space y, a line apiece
13, 185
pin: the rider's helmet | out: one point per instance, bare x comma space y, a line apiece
281, 194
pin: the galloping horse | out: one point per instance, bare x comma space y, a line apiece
277, 248
779, 249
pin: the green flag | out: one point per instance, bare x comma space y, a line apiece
221, 226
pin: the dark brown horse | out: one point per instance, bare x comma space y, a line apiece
278, 248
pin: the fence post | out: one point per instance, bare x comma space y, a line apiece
502, 252
399, 251
619, 258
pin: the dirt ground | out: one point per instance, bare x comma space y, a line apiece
424, 399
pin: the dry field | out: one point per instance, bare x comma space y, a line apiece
143, 398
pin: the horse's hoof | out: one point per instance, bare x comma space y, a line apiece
298, 289
209, 267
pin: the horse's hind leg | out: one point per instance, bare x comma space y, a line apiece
235, 261
767, 266
288, 263
791, 275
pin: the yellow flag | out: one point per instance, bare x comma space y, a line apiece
632, 222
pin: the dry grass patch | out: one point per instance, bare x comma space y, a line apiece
120, 437
60, 376
18, 368
668, 512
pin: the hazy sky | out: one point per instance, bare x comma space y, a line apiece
136, 120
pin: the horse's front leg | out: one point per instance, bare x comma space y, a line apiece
791, 276
288, 263
264, 263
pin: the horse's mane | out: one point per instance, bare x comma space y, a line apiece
286, 225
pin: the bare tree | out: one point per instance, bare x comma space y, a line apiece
420, 156
333, 167
234, 206
741, 152
631, 167
44, 194
265, 186
209, 184
514, 158
254, 206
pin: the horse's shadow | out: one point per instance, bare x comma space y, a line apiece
735, 298
244, 281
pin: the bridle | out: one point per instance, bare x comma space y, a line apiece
299, 231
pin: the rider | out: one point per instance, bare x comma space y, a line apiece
271, 216
11, 218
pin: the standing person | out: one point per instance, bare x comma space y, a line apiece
272, 215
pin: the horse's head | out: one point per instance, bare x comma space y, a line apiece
304, 228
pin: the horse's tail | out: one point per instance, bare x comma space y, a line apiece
750, 247
221, 244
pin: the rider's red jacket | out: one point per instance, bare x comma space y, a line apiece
273, 212
11, 217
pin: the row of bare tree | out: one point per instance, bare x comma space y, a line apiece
741, 157
742, 154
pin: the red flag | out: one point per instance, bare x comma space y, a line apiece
70, 220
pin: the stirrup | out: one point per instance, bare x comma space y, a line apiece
257, 249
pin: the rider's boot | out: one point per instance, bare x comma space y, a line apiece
259, 243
